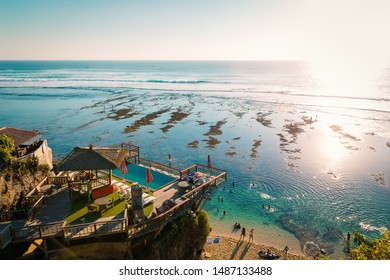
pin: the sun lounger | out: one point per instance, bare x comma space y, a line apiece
146, 198
128, 192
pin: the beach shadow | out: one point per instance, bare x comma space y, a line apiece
246, 249
238, 245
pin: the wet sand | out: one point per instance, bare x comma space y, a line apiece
229, 248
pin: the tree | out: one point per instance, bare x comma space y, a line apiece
6, 142
6, 147
376, 249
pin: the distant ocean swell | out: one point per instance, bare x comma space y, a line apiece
60, 79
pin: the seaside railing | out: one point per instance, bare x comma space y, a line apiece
133, 155
95, 229
161, 167
5, 236
37, 232
159, 221
178, 210
215, 172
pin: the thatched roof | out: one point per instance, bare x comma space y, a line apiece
21, 137
92, 158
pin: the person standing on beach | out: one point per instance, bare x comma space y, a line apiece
251, 236
242, 233
348, 236
285, 251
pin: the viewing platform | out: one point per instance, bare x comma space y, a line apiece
64, 206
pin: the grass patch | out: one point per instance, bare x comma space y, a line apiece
148, 209
79, 212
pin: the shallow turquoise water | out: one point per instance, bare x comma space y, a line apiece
136, 173
319, 185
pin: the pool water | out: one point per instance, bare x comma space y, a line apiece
137, 173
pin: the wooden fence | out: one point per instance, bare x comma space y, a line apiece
37, 232
95, 229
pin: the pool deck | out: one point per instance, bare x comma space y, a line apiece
46, 218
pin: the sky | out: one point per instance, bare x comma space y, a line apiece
321, 31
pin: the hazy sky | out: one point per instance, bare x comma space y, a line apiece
198, 29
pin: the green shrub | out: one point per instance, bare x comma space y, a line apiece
6, 143
44, 168
203, 223
19, 167
376, 249
32, 164
5, 157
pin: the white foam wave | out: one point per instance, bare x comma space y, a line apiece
369, 227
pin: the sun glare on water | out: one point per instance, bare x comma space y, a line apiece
331, 147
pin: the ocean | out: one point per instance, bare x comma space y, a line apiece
310, 160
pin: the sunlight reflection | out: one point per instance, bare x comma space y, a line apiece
332, 148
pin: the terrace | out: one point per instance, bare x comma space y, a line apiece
70, 207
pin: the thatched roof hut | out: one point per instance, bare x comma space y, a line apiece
91, 158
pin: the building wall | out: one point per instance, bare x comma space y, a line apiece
44, 154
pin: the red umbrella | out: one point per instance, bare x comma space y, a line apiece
209, 162
149, 177
123, 168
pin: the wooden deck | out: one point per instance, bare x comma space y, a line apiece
42, 224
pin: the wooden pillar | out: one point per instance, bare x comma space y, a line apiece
110, 177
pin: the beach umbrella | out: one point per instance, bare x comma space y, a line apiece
209, 162
123, 169
149, 177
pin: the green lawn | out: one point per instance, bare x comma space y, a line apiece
80, 214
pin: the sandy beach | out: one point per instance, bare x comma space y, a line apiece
229, 248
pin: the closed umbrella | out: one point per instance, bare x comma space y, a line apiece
149, 177
123, 169
209, 162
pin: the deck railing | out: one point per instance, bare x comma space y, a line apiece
162, 167
57, 180
37, 231
95, 229
133, 155
159, 221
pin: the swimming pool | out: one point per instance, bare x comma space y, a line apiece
136, 173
